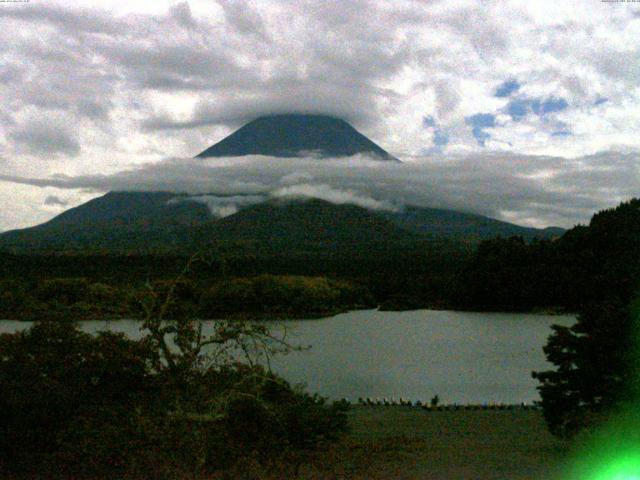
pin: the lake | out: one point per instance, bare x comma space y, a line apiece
462, 357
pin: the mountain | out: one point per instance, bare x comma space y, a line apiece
163, 220
294, 135
468, 226
114, 221
307, 222
125, 221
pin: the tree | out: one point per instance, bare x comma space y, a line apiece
51, 375
596, 366
595, 369
177, 402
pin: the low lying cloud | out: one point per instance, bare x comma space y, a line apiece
224, 206
333, 195
221, 206
543, 191
112, 85
54, 201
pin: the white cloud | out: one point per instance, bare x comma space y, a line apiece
532, 190
221, 206
46, 138
333, 195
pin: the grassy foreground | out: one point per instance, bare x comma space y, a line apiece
409, 443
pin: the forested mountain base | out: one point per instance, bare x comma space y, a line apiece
234, 278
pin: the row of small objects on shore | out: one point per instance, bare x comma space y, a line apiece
427, 406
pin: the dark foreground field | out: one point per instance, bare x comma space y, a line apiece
408, 443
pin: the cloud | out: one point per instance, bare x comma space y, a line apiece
333, 195
448, 97
54, 201
37, 136
196, 66
320, 98
28, 204
244, 18
77, 19
181, 12
535, 190
221, 206
135, 82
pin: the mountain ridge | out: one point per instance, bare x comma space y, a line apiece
131, 220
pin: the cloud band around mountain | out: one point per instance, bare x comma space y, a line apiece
537, 191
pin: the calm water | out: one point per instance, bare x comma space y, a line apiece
460, 356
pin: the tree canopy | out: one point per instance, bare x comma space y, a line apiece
172, 404
596, 364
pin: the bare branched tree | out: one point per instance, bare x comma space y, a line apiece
179, 346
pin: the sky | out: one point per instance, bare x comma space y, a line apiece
524, 111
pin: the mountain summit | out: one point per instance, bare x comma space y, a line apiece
293, 135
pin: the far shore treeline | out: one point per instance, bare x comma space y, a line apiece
255, 281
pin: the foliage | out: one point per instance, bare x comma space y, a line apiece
596, 366
80, 298
283, 296
175, 403
51, 375
588, 263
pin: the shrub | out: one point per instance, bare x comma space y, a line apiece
77, 405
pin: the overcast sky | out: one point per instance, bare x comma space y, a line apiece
526, 111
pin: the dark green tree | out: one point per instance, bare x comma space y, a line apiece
596, 365
596, 371
51, 375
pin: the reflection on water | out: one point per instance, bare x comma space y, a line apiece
460, 356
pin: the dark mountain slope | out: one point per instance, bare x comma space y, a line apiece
311, 222
155, 220
114, 221
294, 135
467, 226
135, 209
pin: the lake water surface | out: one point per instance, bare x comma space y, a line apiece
460, 356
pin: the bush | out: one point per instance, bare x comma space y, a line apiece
281, 296
64, 290
53, 373
81, 406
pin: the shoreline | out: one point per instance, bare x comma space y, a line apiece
277, 317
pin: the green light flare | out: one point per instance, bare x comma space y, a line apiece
613, 451
625, 468
609, 457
